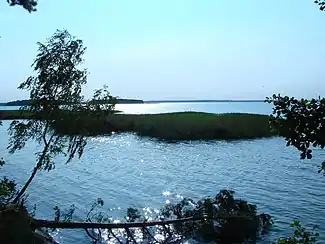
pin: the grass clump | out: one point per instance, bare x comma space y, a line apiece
167, 126
176, 126
14, 114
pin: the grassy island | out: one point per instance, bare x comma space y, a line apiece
189, 126
168, 126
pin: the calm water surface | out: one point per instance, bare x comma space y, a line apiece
126, 170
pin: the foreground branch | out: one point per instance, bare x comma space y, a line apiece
39, 223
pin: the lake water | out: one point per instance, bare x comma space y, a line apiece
126, 170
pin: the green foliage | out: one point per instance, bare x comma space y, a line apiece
95, 215
58, 79
98, 110
108, 101
64, 216
29, 5
8, 191
132, 214
13, 115
300, 235
8, 188
241, 222
300, 122
175, 126
56, 64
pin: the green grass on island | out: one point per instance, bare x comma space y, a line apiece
167, 126
194, 125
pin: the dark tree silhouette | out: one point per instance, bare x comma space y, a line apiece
321, 4
59, 78
219, 219
29, 5
300, 122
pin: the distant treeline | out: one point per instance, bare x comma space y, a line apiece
27, 102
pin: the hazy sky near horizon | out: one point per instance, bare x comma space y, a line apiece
176, 49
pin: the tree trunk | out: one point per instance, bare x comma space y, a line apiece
22, 191
36, 168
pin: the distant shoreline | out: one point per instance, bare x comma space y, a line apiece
26, 102
198, 101
135, 101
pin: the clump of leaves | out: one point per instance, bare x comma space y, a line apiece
55, 97
88, 116
94, 215
300, 122
65, 215
56, 88
223, 218
321, 4
29, 5
8, 188
132, 215
300, 235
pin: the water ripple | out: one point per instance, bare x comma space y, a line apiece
125, 170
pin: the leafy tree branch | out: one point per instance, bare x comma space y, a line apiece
56, 95
300, 122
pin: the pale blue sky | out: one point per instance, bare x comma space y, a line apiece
176, 49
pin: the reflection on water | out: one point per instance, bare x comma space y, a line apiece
127, 171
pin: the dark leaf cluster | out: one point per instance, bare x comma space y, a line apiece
29, 5
8, 191
243, 222
8, 188
219, 219
58, 78
300, 122
66, 215
301, 235
321, 4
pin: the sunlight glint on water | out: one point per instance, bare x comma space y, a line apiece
127, 171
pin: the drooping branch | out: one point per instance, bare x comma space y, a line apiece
58, 81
